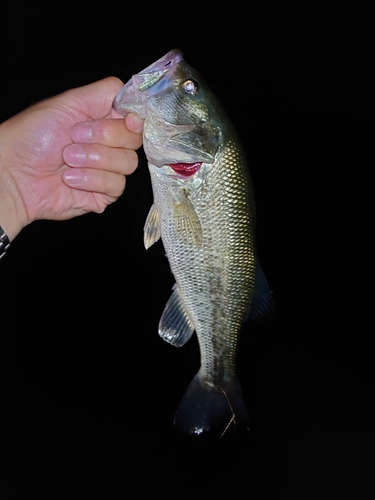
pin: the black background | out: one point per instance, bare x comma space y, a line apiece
88, 389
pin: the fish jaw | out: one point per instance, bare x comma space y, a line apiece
150, 82
166, 144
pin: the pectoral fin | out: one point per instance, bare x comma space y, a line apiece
151, 230
175, 325
187, 223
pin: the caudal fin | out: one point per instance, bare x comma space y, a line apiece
217, 410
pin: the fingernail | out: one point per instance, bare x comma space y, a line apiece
82, 132
74, 177
74, 155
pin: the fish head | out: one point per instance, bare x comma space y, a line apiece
135, 94
181, 128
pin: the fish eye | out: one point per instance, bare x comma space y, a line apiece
190, 87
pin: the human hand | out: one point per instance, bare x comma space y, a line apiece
66, 156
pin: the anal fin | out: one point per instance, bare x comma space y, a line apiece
175, 325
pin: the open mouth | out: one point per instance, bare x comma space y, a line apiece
186, 169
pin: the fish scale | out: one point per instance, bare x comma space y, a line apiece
210, 296
204, 212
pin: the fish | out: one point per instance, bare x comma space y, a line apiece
203, 211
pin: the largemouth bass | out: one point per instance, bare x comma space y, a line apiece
204, 213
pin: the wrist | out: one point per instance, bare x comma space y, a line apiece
11, 220
13, 214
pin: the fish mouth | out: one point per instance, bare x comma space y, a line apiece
151, 81
185, 169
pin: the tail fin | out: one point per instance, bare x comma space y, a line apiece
217, 410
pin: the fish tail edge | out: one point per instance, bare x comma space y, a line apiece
216, 410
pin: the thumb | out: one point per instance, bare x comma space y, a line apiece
96, 99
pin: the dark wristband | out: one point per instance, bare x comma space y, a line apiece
4, 242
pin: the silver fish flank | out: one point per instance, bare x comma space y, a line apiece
204, 213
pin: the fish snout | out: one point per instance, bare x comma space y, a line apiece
130, 100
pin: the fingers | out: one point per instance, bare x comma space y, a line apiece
134, 123
109, 184
110, 132
103, 152
98, 168
99, 157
